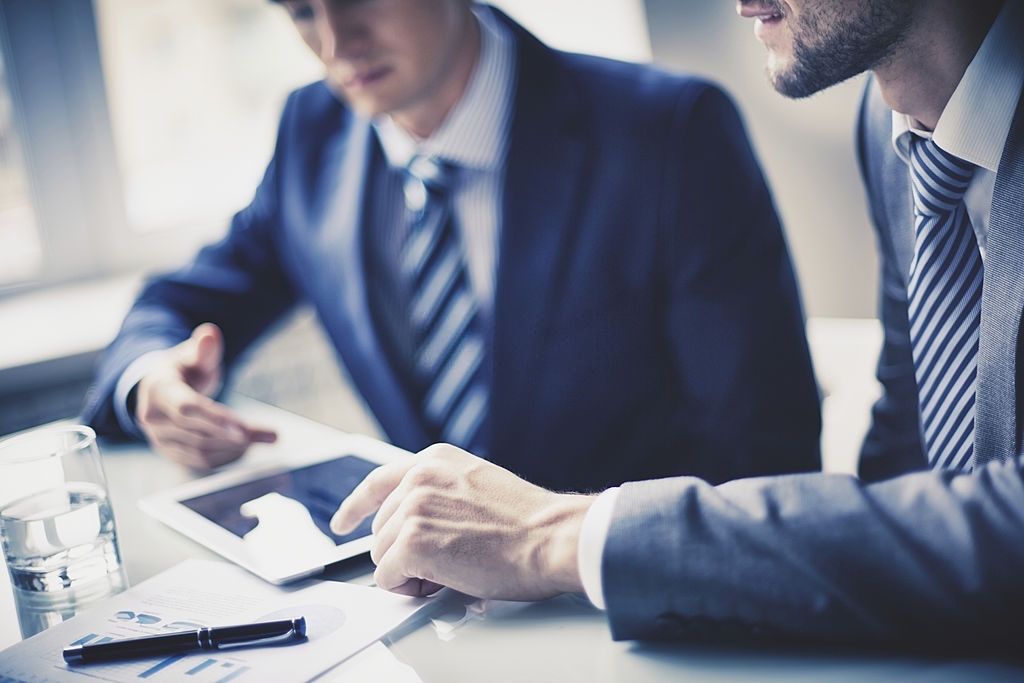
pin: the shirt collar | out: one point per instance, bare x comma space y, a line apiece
474, 134
976, 121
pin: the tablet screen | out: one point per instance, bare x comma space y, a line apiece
299, 503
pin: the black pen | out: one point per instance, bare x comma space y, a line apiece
215, 638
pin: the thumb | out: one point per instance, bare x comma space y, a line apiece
201, 358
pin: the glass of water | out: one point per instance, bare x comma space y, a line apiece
57, 525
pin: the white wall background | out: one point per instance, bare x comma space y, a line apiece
612, 28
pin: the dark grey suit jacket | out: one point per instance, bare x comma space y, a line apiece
925, 558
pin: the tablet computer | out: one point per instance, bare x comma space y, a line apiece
272, 520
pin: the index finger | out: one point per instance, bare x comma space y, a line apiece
195, 411
205, 415
369, 494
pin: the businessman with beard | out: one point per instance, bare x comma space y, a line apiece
927, 548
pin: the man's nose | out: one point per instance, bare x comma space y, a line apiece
341, 35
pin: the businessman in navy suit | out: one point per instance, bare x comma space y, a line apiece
641, 313
932, 555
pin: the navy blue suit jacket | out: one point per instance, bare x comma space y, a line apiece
646, 318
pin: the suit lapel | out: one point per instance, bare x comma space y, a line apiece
343, 279
1002, 302
545, 163
893, 185
899, 206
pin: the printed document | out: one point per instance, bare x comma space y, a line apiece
342, 619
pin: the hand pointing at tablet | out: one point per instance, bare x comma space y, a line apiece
175, 411
447, 518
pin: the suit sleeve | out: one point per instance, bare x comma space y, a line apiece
930, 559
237, 283
735, 320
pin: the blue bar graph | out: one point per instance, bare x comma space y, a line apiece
84, 639
209, 669
157, 668
199, 667
234, 674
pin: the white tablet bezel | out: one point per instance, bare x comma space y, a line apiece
167, 507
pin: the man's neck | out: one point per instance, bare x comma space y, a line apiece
423, 120
922, 75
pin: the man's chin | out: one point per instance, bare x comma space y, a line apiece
796, 83
360, 106
788, 87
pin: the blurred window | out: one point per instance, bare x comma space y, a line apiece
20, 249
145, 126
195, 88
131, 130
609, 28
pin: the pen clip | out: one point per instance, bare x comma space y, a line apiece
296, 631
269, 640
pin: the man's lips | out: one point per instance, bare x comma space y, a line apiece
755, 10
366, 77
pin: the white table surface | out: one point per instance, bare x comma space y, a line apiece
563, 639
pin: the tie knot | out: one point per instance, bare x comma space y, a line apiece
423, 176
940, 178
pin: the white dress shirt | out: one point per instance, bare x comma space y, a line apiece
976, 121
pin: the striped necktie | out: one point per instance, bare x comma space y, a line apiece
944, 299
447, 331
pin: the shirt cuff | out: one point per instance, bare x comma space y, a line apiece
591, 548
125, 383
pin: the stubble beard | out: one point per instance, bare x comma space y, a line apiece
829, 51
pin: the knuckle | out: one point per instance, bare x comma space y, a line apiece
416, 535
145, 410
188, 409
418, 476
416, 506
432, 451
438, 453
376, 553
433, 473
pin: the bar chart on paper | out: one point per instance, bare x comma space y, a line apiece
341, 619
179, 667
198, 667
